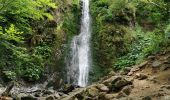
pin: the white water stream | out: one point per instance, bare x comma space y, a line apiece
78, 67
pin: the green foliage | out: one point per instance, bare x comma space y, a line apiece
167, 31
18, 26
145, 44
17, 60
116, 40
9, 75
29, 66
11, 34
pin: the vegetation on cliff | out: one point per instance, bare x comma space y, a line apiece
127, 31
33, 34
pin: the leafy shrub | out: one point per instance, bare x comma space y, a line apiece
167, 36
9, 75
16, 61
146, 43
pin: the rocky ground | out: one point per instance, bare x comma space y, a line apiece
149, 80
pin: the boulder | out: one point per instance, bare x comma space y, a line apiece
51, 97
38, 94
68, 88
125, 71
121, 83
141, 76
56, 96
111, 80
112, 73
156, 64
93, 91
6, 98
166, 98
19, 96
102, 88
164, 67
147, 98
151, 57
130, 73
48, 92
110, 96
127, 89
136, 68
121, 95
28, 97
165, 86
102, 95
140, 65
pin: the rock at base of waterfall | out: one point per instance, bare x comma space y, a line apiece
93, 91
102, 88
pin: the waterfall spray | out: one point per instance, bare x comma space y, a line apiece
79, 64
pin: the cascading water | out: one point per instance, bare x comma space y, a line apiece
78, 67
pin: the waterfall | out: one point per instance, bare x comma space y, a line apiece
79, 63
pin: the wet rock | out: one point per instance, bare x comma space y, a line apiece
110, 96
85, 98
166, 98
19, 96
102, 95
111, 80
48, 92
56, 96
147, 86
130, 73
93, 91
121, 83
136, 68
127, 98
141, 76
156, 64
151, 57
165, 86
167, 61
112, 73
153, 79
2, 89
127, 89
76, 99
159, 94
125, 71
8, 89
62, 94
51, 97
1, 85
28, 97
38, 94
164, 67
121, 94
147, 98
130, 79
102, 88
6, 98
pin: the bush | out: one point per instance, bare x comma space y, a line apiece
16, 61
9, 75
145, 44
